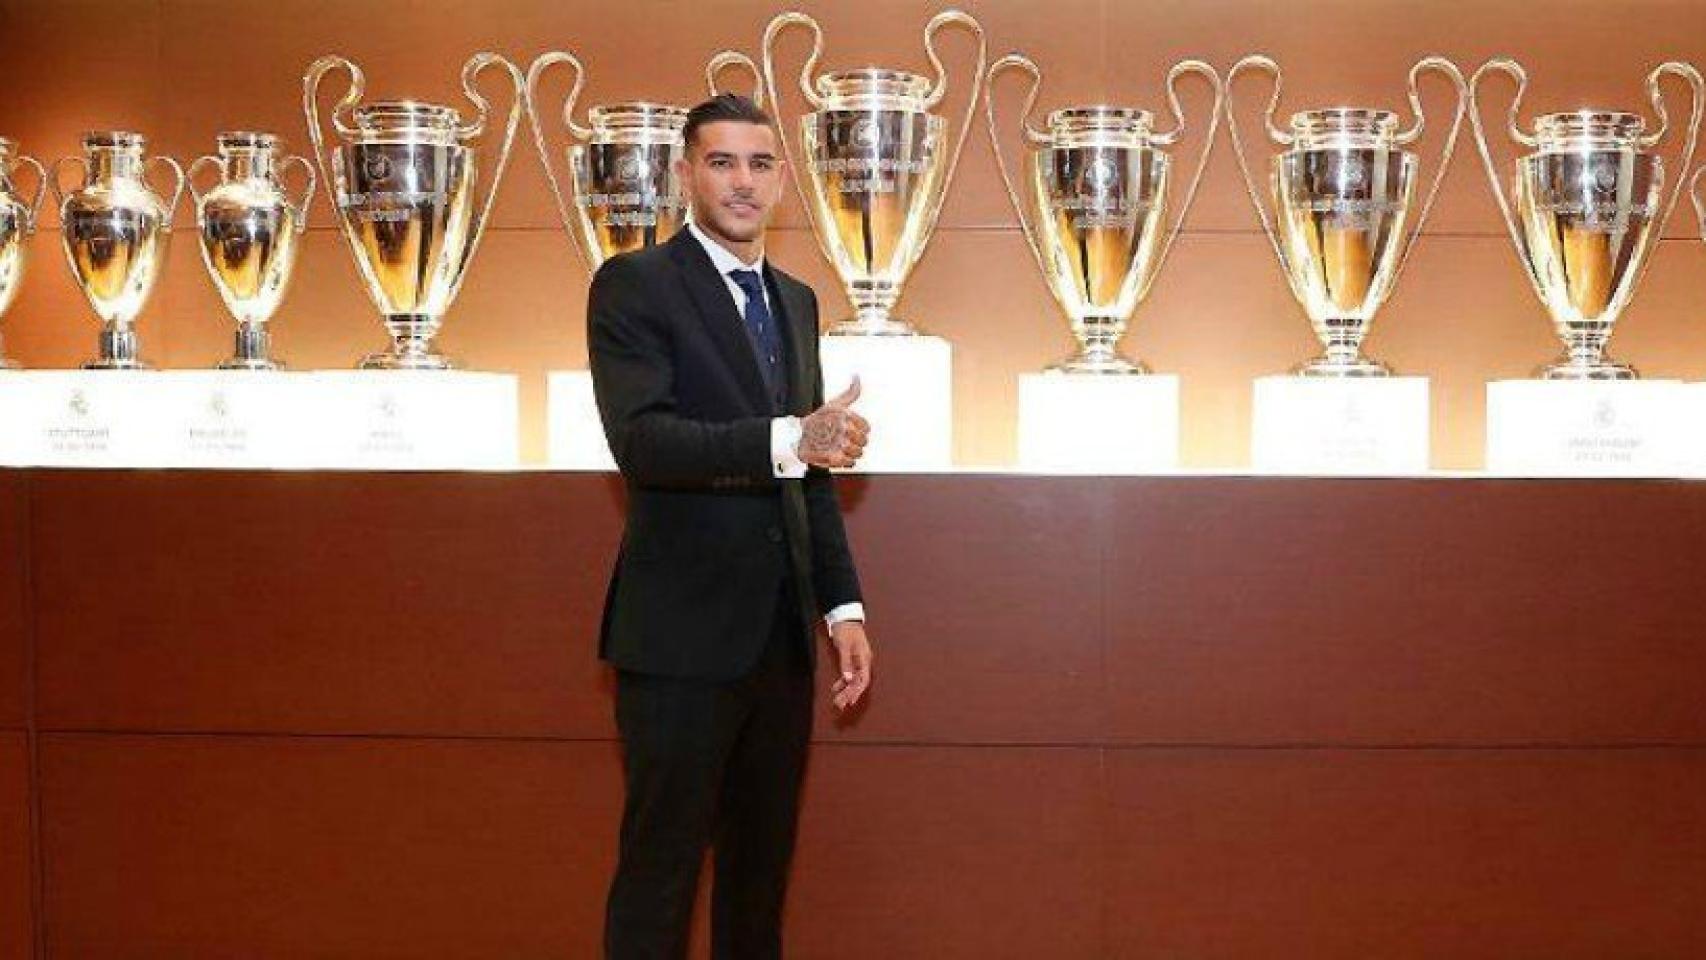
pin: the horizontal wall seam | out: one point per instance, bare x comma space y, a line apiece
1112, 744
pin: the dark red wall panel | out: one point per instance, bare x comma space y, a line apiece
1267, 610
260, 847
14, 623
16, 879
391, 603
1406, 854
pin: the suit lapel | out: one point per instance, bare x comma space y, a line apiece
795, 317
717, 311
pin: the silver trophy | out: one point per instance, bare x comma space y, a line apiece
251, 230
17, 223
880, 161
621, 191
404, 177
1345, 216
115, 229
1589, 202
1098, 185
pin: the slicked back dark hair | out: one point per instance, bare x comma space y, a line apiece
720, 108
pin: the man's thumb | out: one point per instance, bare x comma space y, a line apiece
847, 396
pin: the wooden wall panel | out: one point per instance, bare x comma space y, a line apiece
262, 847
1324, 611
988, 627
324, 603
930, 852
1483, 855
14, 610
17, 927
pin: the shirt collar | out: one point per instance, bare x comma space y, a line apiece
720, 256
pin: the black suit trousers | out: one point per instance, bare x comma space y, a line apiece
711, 764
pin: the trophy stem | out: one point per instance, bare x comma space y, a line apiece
1098, 349
1343, 359
872, 302
1586, 360
871, 321
254, 344
119, 350
411, 345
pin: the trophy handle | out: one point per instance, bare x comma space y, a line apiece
1449, 69
475, 127
1655, 93
196, 196
307, 200
783, 21
53, 177
177, 191
780, 22
1514, 70
545, 61
311, 108
1257, 61
1174, 135
734, 58
40, 194
1029, 134
1699, 205
939, 189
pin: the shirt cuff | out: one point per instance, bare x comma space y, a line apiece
785, 459
847, 611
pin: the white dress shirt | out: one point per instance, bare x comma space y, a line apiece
785, 459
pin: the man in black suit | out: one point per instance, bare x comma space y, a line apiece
705, 365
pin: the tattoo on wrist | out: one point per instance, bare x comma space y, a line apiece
823, 433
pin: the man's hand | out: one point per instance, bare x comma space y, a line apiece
833, 435
853, 654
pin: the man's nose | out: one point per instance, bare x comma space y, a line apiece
742, 177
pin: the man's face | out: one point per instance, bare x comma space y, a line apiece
733, 178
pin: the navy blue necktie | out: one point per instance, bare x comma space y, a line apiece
762, 327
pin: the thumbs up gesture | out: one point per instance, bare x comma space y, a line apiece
833, 435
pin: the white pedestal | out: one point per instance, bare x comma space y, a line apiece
417, 419
1351, 426
575, 433
906, 393
1584, 428
1086, 423
236, 419
77, 418
1691, 430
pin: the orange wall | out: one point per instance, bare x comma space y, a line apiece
181, 70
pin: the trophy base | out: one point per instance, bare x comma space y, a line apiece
386, 360
1333, 368
1108, 365
116, 363
1567, 369
250, 363
870, 327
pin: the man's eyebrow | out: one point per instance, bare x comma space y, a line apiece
729, 155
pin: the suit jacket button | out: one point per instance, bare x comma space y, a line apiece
774, 533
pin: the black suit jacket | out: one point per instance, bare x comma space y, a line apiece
711, 532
